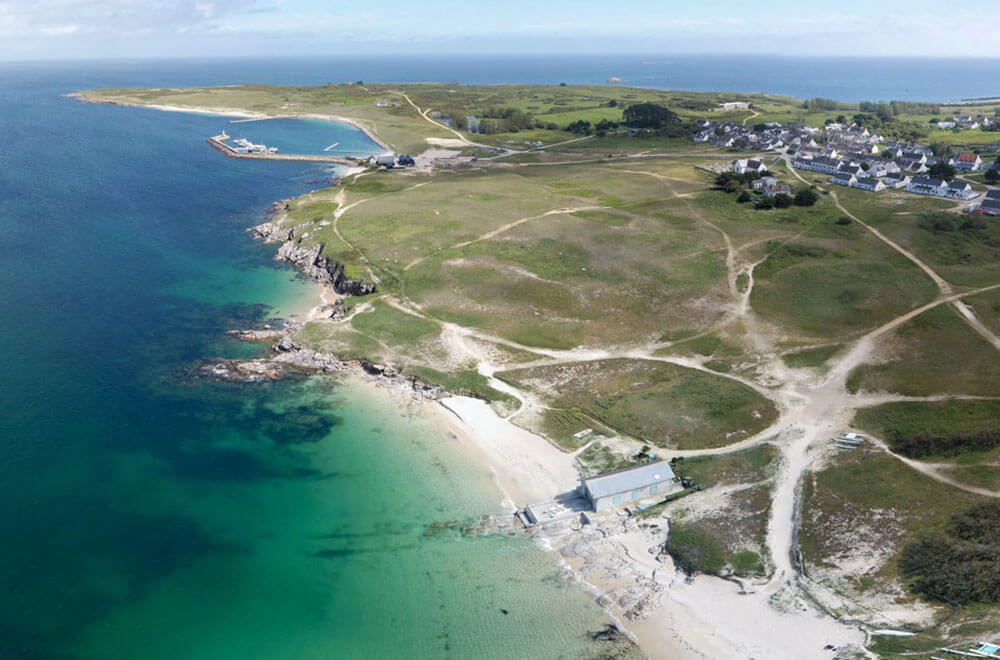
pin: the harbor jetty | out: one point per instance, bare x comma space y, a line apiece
220, 143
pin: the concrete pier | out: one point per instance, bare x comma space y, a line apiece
219, 143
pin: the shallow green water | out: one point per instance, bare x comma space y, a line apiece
361, 556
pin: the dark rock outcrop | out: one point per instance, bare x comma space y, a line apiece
309, 259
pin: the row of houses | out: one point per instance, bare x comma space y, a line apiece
924, 185
764, 137
966, 122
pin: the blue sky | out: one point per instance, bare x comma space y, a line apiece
57, 29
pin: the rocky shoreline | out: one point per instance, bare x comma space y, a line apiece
286, 356
307, 257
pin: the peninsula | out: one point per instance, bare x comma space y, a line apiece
794, 302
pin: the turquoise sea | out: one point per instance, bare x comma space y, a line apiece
149, 513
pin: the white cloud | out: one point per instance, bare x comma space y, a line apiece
59, 29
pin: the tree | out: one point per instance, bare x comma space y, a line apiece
992, 176
782, 201
765, 203
612, 103
942, 170
819, 103
805, 197
744, 197
649, 115
580, 127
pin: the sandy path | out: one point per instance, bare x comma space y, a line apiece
942, 285
933, 470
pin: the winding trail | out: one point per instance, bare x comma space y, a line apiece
423, 113
812, 408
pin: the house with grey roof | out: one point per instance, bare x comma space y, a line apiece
843, 179
924, 185
990, 206
960, 190
896, 181
818, 164
614, 489
868, 183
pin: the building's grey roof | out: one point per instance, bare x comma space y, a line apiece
868, 181
927, 181
629, 479
959, 185
993, 194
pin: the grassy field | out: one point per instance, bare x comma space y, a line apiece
861, 510
662, 404
743, 467
934, 353
962, 249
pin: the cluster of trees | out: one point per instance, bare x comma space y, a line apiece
921, 445
820, 103
960, 564
802, 197
941, 170
650, 115
731, 182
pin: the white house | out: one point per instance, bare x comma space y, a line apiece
960, 190
607, 491
896, 181
869, 183
923, 185
844, 179
991, 204
735, 105
770, 186
745, 165
819, 164
968, 162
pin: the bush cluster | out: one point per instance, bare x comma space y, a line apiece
960, 564
925, 444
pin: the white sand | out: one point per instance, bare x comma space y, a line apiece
528, 468
447, 142
703, 618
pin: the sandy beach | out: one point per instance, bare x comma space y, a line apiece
703, 617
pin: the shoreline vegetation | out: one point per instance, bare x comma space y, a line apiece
563, 271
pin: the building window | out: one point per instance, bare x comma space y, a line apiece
652, 490
617, 499
635, 494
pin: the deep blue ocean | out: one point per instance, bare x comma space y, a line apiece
149, 513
